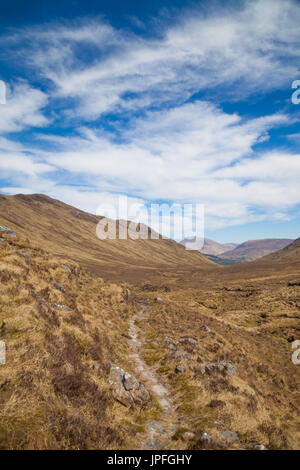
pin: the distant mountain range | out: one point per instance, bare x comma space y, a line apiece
247, 251
207, 246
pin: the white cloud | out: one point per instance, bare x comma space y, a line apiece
174, 150
256, 47
22, 109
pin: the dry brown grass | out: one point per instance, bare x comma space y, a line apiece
54, 391
261, 401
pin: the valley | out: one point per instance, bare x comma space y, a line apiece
138, 343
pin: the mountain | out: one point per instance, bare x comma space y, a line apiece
254, 249
208, 247
65, 231
289, 253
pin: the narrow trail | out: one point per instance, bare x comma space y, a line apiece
158, 433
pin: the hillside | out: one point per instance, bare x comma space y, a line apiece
287, 254
254, 249
66, 231
206, 350
62, 330
208, 247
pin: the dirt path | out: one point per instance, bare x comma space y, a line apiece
158, 433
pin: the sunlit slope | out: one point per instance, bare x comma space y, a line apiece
64, 230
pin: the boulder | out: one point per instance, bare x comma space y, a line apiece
225, 368
125, 388
230, 437
130, 382
158, 299
121, 395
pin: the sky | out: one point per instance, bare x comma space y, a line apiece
162, 102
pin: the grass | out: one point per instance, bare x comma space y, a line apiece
51, 394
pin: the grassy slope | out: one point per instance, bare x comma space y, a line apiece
64, 230
54, 391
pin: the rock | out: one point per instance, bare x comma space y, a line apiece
130, 382
140, 395
207, 439
228, 436
2, 240
259, 447
205, 328
116, 374
225, 368
158, 299
187, 340
7, 231
171, 343
188, 436
57, 286
179, 369
66, 268
121, 395
155, 426
126, 388
63, 308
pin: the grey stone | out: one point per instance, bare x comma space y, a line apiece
225, 368
63, 308
205, 328
58, 286
130, 382
66, 268
210, 440
228, 436
189, 341
7, 231
158, 299
126, 388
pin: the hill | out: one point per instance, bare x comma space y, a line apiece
208, 246
254, 249
287, 254
65, 231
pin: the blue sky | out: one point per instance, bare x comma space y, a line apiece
162, 101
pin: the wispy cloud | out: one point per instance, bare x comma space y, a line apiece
144, 114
